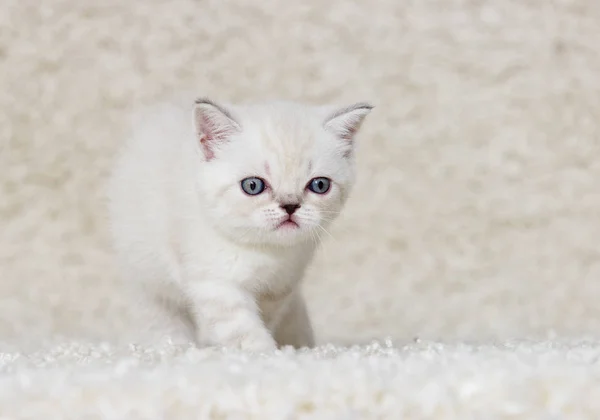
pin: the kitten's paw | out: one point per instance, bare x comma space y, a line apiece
256, 344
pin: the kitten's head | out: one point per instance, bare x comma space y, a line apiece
275, 173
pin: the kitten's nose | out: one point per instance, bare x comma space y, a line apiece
290, 208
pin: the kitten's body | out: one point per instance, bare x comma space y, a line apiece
185, 231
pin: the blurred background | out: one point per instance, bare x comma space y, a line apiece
477, 211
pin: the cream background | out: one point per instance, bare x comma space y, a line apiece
476, 216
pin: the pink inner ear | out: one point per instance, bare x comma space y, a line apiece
212, 131
208, 135
205, 144
349, 132
346, 122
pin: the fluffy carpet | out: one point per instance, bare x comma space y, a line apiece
475, 218
547, 380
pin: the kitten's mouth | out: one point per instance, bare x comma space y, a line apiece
288, 224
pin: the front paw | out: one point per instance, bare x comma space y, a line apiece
257, 344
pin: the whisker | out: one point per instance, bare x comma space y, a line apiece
324, 249
327, 232
327, 221
317, 238
313, 237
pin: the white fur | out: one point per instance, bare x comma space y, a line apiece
186, 232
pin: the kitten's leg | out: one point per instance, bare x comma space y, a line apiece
294, 327
228, 316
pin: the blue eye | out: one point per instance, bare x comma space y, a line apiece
319, 185
253, 186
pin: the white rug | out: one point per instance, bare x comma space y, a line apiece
475, 218
546, 380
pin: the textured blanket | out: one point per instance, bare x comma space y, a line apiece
546, 380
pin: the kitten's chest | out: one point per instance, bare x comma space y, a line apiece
264, 273
260, 272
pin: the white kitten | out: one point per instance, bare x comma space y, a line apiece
222, 216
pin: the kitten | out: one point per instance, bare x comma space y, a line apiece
220, 212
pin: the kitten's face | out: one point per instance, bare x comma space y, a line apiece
280, 178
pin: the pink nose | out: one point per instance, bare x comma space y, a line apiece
290, 208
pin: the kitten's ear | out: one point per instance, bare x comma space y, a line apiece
214, 125
346, 122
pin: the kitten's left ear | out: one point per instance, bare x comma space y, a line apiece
346, 122
214, 125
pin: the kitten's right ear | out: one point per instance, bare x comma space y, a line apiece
346, 122
214, 125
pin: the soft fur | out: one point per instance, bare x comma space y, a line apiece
188, 234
